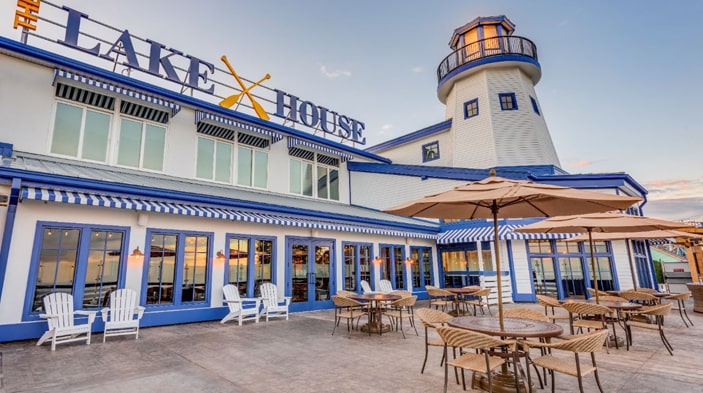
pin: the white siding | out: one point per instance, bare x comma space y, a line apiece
521, 268
622, 264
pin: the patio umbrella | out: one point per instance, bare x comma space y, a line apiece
599, 222
627, 236
496, 197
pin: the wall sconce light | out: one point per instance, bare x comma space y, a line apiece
220, 255
137, 253
377, 261
409, 261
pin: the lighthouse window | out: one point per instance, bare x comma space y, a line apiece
471, 108
430, 151
508, 102
534, 105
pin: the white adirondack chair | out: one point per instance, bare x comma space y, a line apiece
273, 305
385, 286
366, 288
123, 315
236, 306
59, 314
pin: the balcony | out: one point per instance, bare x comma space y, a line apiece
489, 50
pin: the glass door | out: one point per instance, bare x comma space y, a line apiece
543, 276
309, 268
572, 280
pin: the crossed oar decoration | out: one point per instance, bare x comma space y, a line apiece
233, 99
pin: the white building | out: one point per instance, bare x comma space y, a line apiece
126, 179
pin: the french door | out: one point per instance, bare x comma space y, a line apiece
310, 273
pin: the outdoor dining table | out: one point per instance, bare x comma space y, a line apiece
458, 294
619, 307
513, 328
375, 300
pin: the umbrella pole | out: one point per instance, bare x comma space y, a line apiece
494, 209
593, 264
632, 265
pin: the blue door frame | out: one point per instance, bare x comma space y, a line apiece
310, 273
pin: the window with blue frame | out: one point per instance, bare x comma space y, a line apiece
392, 265
534, 105
357, 265
177, 268
421, 272
86, 261
460, 265
250, 263
471, 108
508, 102
430, 151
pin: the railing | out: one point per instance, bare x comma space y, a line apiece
489, 47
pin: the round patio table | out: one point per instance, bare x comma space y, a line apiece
458, 293
375, 324
504, 381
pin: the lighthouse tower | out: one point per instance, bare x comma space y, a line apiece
488, 86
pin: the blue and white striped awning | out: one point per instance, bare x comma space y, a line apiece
505, 232
175, 108
292, 142
119, 202
201, 116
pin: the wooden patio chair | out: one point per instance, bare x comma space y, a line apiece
59, 315
657, 312
482, 360
123, 314
273, 306
550, 306
439, 298
590, 316
680, 299
432, 319
244, 309
400, 309
349, 309
585, 343
640, 297
478, 300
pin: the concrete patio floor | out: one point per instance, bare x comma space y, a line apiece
300, 355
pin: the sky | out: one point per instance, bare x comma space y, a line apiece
621, 80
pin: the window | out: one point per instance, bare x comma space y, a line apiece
63, 264
214, 160
392, 265
177, 268
141, 145
357, 265
508, 102
80, 132
534, 105
430, 151
252, 167
487, 256
306, 166
246, 269
421, 267
471, 108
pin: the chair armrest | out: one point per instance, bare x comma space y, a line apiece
286, 299
48, 316
139, 311
105, 311
90, 314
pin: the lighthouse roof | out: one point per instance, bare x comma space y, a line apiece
503, 20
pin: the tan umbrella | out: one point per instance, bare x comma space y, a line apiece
496, 197
627, 236
599, 222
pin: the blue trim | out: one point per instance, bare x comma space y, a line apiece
511, 266
178, 274
500, 20
10, 216
357, 263
426, 146
311, 243
596, 180
407, 138
468, 104
391, 256
451, 173
484, 61
523, 298
6, 149
74, 65
420, 249
512, 101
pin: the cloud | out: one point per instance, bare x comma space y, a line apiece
675, 209
333, 74
418, 69
666, 189
580, 164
